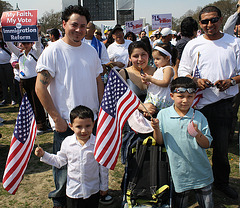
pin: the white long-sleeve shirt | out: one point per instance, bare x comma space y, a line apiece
230, 24
85, 176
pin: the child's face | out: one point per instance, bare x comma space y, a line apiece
159, 60
27, 46
139, 58
82, 128
182, 101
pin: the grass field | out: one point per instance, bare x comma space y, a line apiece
38, 181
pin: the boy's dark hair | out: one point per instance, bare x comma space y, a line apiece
169, 48
81, 112
76, 9
129, 33
184, 82
137, 44
98, 33
55, 33
188, 26
209, 9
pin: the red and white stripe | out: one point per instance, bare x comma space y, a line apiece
17, 160
199, 95
109, 130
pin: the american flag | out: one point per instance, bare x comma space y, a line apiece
118, 103
199, 92
21, 147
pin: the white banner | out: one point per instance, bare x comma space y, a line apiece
134, 26
105, 27
146, 29
161, 20
125, 4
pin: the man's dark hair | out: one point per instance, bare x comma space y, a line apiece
188, 26
55, 33
238, 20
98, 33
81, 112
184, 82
129, 33
209, 9
76, 9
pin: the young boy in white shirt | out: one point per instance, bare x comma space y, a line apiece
86, 178
185, 134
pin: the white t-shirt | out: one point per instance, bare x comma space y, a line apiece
14, 58
218, 60
74, 71
27, 64
119, 52
4, 56
104, 54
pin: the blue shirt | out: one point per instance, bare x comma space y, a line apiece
189, 164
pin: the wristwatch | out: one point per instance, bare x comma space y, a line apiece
233, 81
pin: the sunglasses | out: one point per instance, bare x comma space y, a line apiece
212, 20
182, 90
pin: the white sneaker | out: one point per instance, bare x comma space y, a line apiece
107, 199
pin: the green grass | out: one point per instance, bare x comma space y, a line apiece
38, 180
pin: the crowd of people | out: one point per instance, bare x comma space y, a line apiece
64, 79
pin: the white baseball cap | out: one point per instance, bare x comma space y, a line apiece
174, 32
166, 31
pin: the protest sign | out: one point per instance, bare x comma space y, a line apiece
134, 26
161, 20
19, 26
105, 27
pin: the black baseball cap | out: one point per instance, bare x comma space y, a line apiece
117, 27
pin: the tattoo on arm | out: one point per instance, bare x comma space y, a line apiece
45, 77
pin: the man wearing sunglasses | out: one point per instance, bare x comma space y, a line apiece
215, 56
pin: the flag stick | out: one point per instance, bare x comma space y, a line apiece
37, 141
133, 93
146, 109
198, 57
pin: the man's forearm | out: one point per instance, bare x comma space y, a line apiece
100, 87
42, 82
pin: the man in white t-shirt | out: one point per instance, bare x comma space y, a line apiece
215, 56
68, 76
118, 50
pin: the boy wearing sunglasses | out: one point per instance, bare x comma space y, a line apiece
185, 134
216, 56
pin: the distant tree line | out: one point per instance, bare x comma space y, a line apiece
227, 7
5, 6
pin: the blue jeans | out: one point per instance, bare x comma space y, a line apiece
7, 80
203, 196
60, 175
